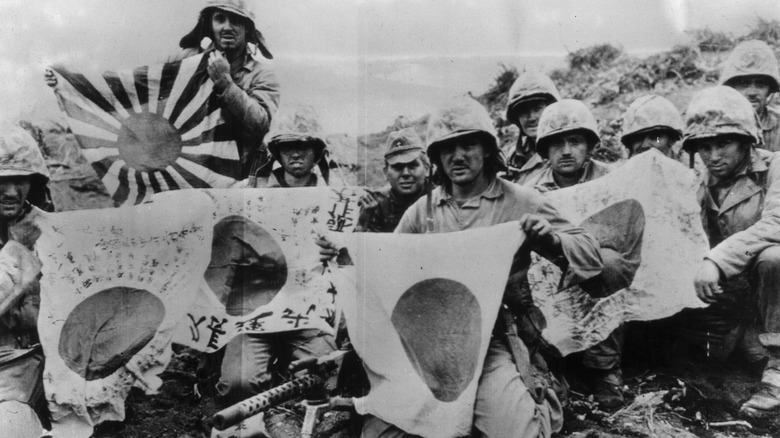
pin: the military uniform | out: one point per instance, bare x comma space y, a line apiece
756, 58
602, 360
246, 367
741, 215
506, 405
21, 356
250, 102
403, 146
524, 163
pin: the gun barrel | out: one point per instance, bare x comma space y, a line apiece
233, 415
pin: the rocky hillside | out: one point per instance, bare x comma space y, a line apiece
605, 76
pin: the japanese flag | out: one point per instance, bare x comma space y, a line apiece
420, 316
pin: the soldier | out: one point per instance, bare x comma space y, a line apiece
296, 141
652, 122
463, 145
528, 97
740, 276
751, 69
23, 196
406, 169
567, 135
245, 85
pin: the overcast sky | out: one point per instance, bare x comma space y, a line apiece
360, 62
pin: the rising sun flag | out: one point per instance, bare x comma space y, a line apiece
150, 129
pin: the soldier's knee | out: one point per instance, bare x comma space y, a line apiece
769, 259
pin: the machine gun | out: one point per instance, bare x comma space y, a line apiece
313, 386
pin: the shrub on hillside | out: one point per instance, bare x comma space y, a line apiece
497, 92
765, 30
708, 40
593, 57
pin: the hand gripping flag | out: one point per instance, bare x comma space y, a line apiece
115, 284
151, 129
421, 317
648, 223
265, 275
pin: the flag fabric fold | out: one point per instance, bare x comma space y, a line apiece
112, 287
646, 213
265, 275
420, 310
150, 129
196, 267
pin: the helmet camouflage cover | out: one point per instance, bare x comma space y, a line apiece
20, 154
295, 122
527, 85
458, 117
716, 111
751, 58
565, 116
651, 112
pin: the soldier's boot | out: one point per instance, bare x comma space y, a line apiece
765, 401
607, 388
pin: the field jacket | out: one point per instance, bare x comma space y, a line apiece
748, 219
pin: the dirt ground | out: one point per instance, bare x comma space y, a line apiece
689, 397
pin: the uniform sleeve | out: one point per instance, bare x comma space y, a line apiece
19, 269
580, 248
253, 107
738, 251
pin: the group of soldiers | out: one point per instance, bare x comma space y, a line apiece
458, 179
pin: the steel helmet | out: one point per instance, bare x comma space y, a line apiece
21, 156
295, 122
530, 84
238, 7
716, 111
751, 58
650, 112
565, 116
462, 116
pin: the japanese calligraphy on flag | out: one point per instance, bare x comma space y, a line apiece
420, 316
265, 275
112, 288
151, 129
645, 216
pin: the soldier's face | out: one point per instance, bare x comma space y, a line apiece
13, 193
528, 116
229, 30
463, 159
568, 153
406, 179
723, 155
297, 158
755, 89
660, 140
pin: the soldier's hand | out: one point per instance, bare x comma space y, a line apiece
327, 249
368, 201
540, 235
49, 77
219, 69
706, 282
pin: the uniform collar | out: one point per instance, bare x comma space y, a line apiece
494, 190
755, 165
